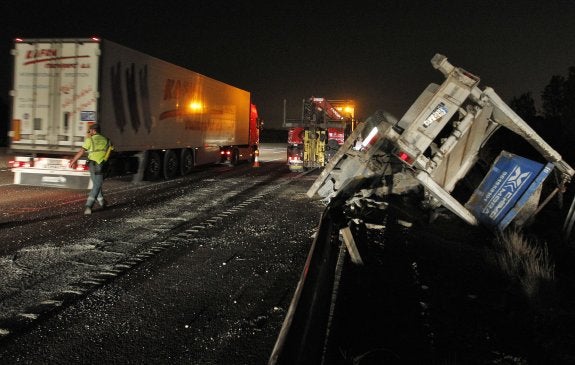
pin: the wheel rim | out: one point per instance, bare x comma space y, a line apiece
187, 163
171, 165
153, 166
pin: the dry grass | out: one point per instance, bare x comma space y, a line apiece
527, 264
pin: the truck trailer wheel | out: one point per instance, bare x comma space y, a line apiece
171, 164
186, 161
153, 166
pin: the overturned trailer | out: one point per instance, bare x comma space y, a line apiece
434, 145
423, 155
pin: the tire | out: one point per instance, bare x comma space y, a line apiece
186, 161
153, 166
171, 164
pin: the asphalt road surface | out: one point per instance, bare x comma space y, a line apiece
201, 270
195, 270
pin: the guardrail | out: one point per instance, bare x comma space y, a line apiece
302, 339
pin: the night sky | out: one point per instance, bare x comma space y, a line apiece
375, 52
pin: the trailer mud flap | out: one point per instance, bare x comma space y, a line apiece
53, 179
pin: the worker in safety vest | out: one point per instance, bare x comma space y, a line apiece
98, 148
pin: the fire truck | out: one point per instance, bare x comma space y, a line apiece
314, 138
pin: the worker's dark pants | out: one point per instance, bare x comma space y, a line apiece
97, 176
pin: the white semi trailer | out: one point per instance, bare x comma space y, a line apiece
162, 119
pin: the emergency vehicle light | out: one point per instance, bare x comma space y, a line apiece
195, 106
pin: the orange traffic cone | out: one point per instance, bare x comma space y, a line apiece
256, 161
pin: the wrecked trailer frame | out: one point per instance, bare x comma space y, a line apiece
433, 146
421, 153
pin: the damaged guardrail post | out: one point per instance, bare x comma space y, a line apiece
347, 237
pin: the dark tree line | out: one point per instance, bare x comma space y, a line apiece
555, 122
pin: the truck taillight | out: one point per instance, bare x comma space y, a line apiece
15, 164
405, 157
